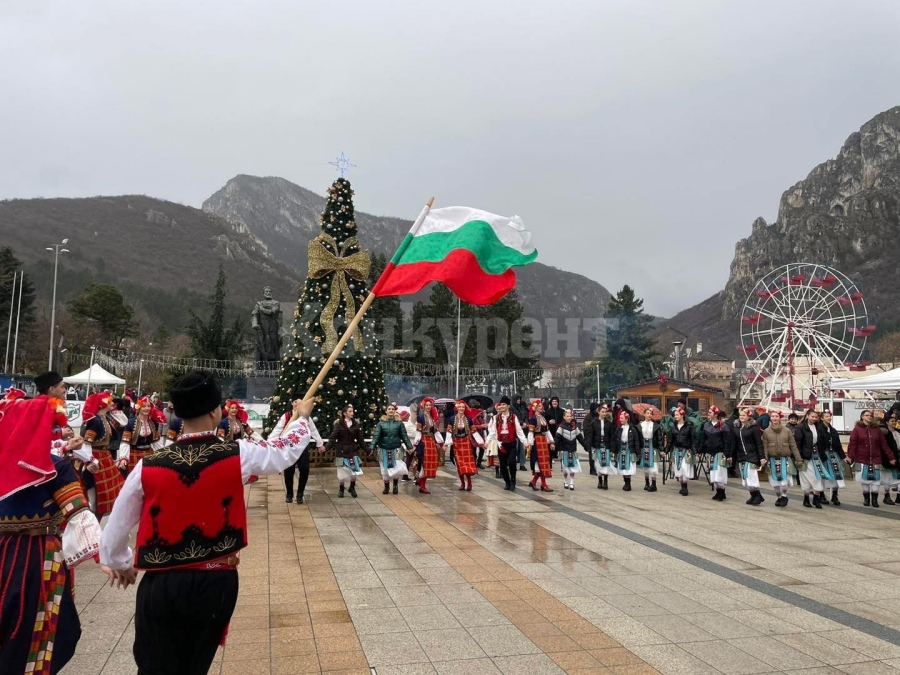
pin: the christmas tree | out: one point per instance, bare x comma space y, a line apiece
335, 288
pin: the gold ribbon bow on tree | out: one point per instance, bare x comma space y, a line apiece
323, 262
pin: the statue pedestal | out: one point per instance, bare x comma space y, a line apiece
259, 388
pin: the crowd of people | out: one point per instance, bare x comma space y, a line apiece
176, 474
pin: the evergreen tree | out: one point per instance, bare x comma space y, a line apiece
104, 308
210, 339
9, 266
335, 287
630, 356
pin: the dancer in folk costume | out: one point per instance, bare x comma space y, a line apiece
749, 455
235, 426
463, 438
567, 438
191, 523
869, 453
541, 442
626, 446
834, 459
348, 442
140, 437
812, 442
98, 432
428, 438
301, 466
390, 436
716, 446
652, 442
410, 425
506, 432
39, 494
782, 456
681, 442
597, 433
890, 477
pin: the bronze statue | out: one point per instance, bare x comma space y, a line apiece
266, 321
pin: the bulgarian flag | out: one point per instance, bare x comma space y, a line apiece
472, 252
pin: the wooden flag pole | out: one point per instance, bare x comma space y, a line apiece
345, 338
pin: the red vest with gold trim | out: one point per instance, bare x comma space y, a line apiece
194, 508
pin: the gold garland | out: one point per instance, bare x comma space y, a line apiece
322, 262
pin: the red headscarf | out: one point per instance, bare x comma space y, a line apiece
241, 413
435, 415
26, 430
95, 403
155, 414
13, 393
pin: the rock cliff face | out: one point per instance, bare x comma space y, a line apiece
285, 217
845, 213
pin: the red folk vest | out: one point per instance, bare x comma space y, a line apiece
194, 508
507, 435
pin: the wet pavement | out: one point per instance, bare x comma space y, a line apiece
583, 581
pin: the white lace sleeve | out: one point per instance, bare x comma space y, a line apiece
259, 457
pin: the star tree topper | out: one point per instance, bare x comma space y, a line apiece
342, 164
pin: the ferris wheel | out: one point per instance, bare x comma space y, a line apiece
803, 324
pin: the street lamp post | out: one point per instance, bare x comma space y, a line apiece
58, 248
9, 330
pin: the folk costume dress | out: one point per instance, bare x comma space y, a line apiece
39, 495
682, 443
463, 438
507, 432
812, 442
235, 428
782, 455
716, 447
568, 437
98, 433
890, 477
348, 442
869, 452
748, 456
187, 502
834, 458
597, 432
540, 439
301, 466
429, 438
652, 441
139, 439
626, 446
390, 436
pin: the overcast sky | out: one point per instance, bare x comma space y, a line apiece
638, 140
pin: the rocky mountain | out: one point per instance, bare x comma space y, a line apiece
845, 213
285, 217
163, 256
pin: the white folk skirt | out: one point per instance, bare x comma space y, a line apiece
810, 480
749, 475
683, 464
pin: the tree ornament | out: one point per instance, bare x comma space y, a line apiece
365, 391
340, 392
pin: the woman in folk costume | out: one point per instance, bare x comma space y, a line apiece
461, 436
749, 455
626, 446
834, 458
347, 440
567, 438
107, 481
812, 442
652, 443
39, 494
716, 446
782, 456
428, 438
234, 427
301, 466
409, 423
541, 442
890, 477
597, 433
869, 453
141, 436
390, 436
682, 443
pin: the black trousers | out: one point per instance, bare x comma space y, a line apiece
302, 468
509, 462
180, 618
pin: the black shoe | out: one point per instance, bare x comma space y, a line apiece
779, 502
652, 486
288, 499
627, 487
758, 498
750, 501
341, 492
719, 496
684, 490
866, 498
817, 502
387, 488
594, 472
522, 467
513, 485
405, 478
823, 500
806, 502
647, 484
508, 486
395, 487
299, 499
600, 483
875, 499
887, 500
834, 498
352, 490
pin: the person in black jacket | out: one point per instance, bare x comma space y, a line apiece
834, 460
567, 438
347, 440
682, 443
716, 446
597, 429
652, 444
749, 455
554, 416
890, 476
626, 445
813, 440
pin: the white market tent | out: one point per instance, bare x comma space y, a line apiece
888, 380
94, 375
